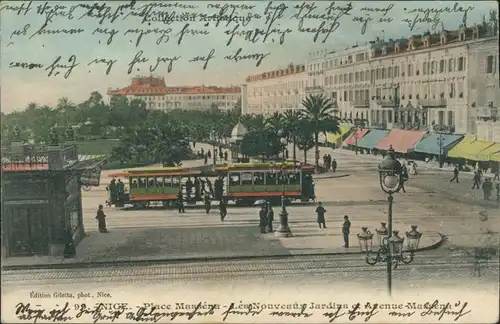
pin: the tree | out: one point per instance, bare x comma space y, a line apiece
305, 140
292, 122
317, 116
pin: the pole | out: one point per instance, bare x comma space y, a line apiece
284, 229
389, 259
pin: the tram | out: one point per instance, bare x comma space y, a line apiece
241, 183
245, 183
150, 186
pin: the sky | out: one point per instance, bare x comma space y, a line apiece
22, 46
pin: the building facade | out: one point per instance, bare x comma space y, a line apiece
275, 91
430, 81
157, 95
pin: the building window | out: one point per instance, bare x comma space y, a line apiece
331, 80
450, 65
452, 90
396, 71
345, 78
383, 73
326, 80
378, 74
356, 76
350, 77
409, 70
460, 64
433, 67
450, 118
335, 79
489, 64
441, 66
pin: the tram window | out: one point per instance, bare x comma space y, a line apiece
133, 183
270, 178
258, 178
151, 182
159, 182
143, 182
168, 182
294, 177
282, 178
175, 181
234, 179
246, 178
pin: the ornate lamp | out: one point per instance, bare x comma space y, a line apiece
413, 238
390, 173
382, 234
365, 240
395, 243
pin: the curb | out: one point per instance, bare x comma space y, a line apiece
131, 263
331, 177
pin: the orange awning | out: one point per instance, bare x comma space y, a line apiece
153, 174
400, 140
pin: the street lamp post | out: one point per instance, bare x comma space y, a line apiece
440, 141
391, 248
284, 229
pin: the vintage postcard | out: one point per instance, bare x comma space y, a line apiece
250, 162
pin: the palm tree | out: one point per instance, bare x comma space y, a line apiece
291, 120
65, 107
317, 114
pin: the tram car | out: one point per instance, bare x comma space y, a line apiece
245, 183
151, 186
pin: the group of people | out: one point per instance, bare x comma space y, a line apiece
346, 226
200, 186
116, 189
486, 184
208, 155
329, 163
266, 218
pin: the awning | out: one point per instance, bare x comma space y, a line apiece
334, 138
430, 144
485, 155
370, 140
495, 157
469, 148
358, 134
400, 140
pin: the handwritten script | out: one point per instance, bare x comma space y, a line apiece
329, 312
231, 32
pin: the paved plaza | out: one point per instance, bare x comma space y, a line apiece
160, 234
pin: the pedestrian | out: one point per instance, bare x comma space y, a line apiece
334, 165
69, 246
223, 209
208, 203
209, 185
263, 218
477, 180
194, 144
225, 156
487, 188
189, 188
320, 212
180, 202
221, 155
455, 174
101, 220
414, 168
403, 178
346, 229
209, 154
270, 218
205, 159
496, 177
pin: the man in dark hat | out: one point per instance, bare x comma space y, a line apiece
263, 218
346, 229
223, 209
320, 212
180, 202
101, 220
207, 202
270, 218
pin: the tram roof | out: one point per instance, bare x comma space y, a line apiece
155, 171
264, 165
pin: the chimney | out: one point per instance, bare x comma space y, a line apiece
396, 47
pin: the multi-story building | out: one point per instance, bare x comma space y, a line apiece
157, 95
430, 81
275, 91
